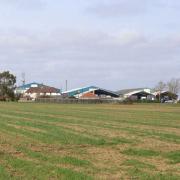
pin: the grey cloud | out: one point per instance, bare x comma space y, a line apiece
119, 8
175, 4
81, 57
24, 4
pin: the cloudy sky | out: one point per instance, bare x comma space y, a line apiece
113, 44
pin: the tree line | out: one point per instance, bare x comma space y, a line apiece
8, 81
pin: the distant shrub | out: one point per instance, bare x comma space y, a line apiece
17, 97
127, 101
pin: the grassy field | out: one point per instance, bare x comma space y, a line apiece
51, 141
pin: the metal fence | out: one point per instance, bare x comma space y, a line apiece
78, 101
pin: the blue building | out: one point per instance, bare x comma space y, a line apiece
22, 89
99, 92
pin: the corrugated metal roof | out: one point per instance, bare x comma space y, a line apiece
76, 91
128, 91
29, 85
82, 90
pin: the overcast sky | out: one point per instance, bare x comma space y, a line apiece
113, 44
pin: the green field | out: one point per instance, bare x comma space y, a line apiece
51, 141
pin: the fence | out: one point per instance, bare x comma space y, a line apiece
78, 101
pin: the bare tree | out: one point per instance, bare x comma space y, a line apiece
174, 85
160, 87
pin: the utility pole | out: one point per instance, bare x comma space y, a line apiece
66, 85
23, 75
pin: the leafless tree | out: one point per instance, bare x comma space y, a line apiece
174, 85
160, 87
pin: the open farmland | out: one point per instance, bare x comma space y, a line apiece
51, 141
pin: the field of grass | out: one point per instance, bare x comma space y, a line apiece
51, 141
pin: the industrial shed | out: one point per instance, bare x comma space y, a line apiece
137, 94
165, 96
90, 92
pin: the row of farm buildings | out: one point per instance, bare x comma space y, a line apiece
34, 90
